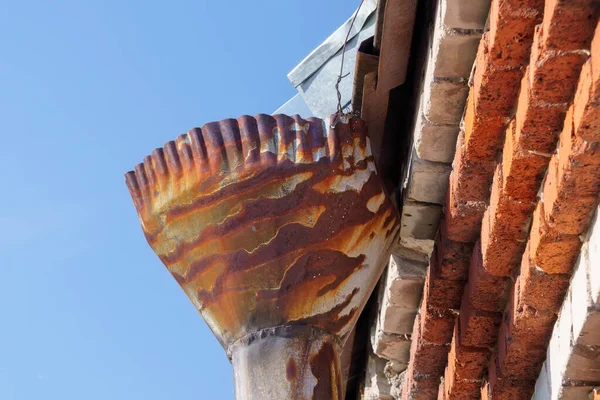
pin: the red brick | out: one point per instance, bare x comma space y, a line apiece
509, 218
577, 153
463, 218
537, 124
452, 258
579, 163
441, 293
500, 256
507, 390
485, 291
569, 24
572, 182
511, 30
542, 291
586, 113
471, 178
504, 229
522, 170
493, 95
526, 325
552, 251
522, 340
460, 389
478, 328
566, 212
553, 76
426, 358
418, 386
518, 360
499, 387
483, 129
466, 362
436, 324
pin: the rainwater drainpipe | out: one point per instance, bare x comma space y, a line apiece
277, 229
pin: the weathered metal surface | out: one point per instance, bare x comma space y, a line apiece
394, 50
318, 90
290, 362
326, 50
269, 222
366, 63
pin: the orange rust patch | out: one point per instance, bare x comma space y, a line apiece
291, 370
268, 220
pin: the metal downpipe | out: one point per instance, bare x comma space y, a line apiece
287, 362
277, 229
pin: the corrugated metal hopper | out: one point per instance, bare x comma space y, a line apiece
277, 229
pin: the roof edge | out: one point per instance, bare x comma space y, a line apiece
331, 45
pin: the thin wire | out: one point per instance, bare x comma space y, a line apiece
340, 76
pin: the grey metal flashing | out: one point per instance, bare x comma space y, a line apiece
295, 106
318, 90
319, 56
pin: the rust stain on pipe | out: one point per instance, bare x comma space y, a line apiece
270, 223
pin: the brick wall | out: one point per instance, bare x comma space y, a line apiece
572, 366
455, 36
524, 185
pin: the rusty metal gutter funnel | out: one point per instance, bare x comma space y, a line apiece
277, 229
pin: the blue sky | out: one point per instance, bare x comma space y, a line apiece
87, 89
